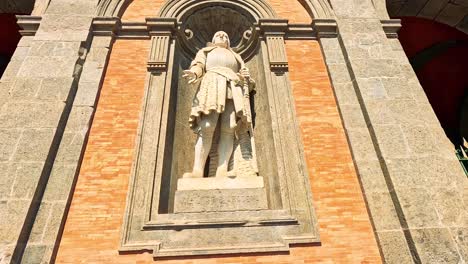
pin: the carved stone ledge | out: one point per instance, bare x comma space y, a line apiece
158, 26
106, 26
325, 28
28, 24
132, 30
301, 32
273, 26
391, 27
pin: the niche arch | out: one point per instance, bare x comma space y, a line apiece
116, 8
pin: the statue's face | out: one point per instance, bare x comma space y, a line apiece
221, 38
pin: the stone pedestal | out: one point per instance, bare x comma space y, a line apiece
220, 195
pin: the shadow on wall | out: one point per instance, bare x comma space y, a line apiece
9, 38
439, 55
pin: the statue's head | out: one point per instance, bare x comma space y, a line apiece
221, 38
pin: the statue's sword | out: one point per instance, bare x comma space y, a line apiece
249, 123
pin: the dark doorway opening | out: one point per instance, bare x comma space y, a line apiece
9, 38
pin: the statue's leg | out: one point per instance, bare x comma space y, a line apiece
226, 140
202, 147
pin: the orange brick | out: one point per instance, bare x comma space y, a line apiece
92, 229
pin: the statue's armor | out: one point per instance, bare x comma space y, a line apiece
221, 57
219, 67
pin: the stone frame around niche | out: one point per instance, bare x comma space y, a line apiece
182, 234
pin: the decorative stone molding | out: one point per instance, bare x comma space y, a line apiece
325, 28
316, 8
158, 26
274, 31
158, 55
161, 31
301, 32
152, 221
253, 8
105, 26
391, 27
28, 24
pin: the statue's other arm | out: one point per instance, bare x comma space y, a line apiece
198, 64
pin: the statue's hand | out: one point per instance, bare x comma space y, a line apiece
191, 76
245, 73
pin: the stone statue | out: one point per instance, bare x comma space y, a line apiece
220, 112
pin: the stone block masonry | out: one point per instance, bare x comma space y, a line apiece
406, 163
42, 131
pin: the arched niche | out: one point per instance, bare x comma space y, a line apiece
318, 9
165, 142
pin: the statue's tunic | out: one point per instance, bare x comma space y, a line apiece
217, 67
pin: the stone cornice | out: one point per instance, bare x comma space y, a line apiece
105, 26
28, 24
325, 28
112, 26
391, 27
158, 25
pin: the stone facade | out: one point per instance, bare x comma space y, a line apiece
386, 185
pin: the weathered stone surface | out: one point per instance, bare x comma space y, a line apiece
363, 149
460, 236
27, 177
30, 114
354, 9
391, 141
450, 206
60, 182
34, 254
55, 88
12, 213
220, 200
58, 27
46, 67
25, 88
20, 53
383, 211
86, 94
418, 208
8, 143
40, 223
371, 176
71, 7
415, 155
219, 183
42, 48
394, 247
346, 94
435, 245
12, 70
373, 88
417, 138
70, 147
339, 73
6, 180
80, 118
34, 145
54, 222
396, 88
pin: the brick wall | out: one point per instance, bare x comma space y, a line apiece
92, 230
